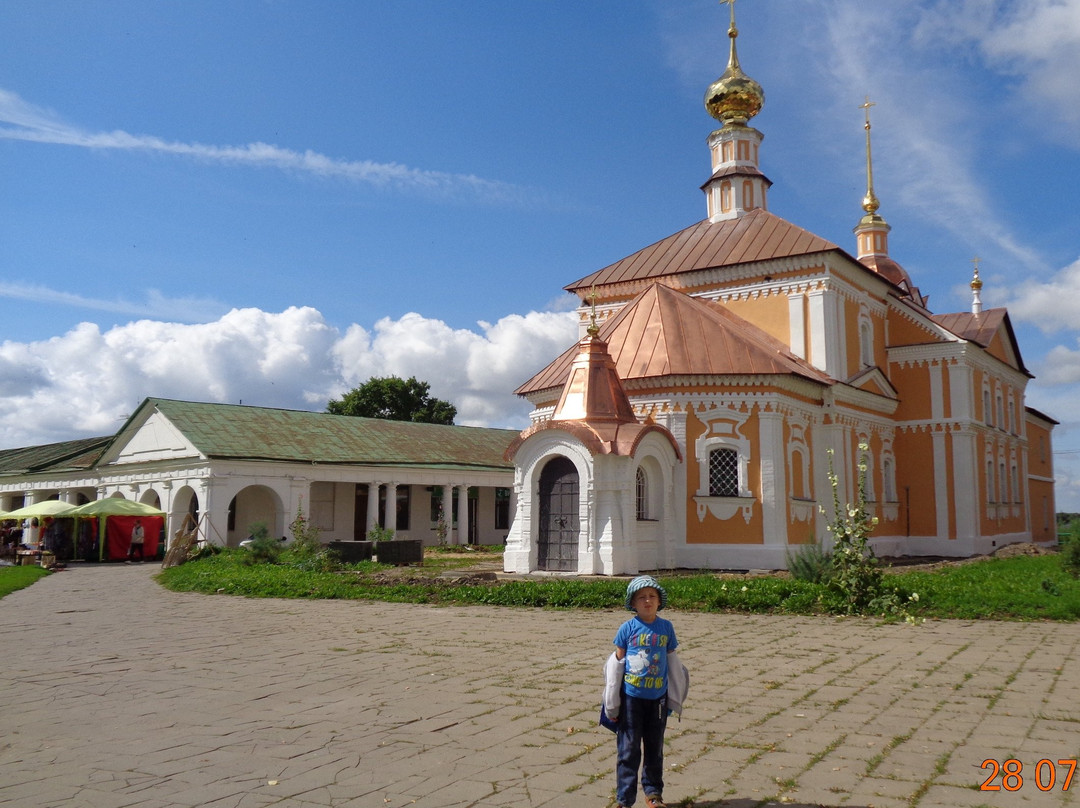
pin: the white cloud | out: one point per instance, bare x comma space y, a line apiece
1035, 42
28, 122
185, 309
86, 382
477, 372
1051, 305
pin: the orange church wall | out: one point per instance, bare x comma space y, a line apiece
902, 331
912, 383
711, 530
915, 483
767, 312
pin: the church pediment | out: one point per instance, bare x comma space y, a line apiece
872, 380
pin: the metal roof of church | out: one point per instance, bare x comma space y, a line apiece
664, 332
757, 236
244, 432
981, 328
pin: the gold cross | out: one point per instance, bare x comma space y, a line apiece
732, 4
866, 106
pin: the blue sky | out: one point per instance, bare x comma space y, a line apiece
272, 201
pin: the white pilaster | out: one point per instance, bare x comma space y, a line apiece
797, 325
773, 477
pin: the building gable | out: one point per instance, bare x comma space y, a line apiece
156, 438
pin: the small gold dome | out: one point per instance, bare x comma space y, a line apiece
734, 97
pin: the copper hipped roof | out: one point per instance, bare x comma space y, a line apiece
594, 407
757, 236
593, 391
663, 332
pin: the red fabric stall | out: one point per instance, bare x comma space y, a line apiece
118, 536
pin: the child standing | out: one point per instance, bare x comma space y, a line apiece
645, 657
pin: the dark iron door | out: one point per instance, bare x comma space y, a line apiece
558, 539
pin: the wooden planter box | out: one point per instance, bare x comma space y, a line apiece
401, 551
352, 551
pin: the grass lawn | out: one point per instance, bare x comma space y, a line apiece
1020, 588
12, 578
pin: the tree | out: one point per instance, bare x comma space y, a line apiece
394, 399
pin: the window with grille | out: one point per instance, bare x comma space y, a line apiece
723, 473
642, 481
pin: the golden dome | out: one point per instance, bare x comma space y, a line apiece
734, 97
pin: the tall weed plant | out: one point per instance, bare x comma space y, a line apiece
856, 574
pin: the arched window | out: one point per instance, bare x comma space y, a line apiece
888, 480
748, 195
642, 489
866, 344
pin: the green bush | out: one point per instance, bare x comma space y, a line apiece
379, 533
811, 563
264, 549
305, 542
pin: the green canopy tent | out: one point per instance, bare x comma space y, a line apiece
114, 542
39, 510
48, 509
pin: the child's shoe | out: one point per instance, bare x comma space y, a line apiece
654, 801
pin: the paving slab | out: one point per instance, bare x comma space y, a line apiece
117, 692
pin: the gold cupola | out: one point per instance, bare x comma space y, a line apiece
734, 98
736, 185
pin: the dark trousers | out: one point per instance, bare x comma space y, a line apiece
136, 547
641, 743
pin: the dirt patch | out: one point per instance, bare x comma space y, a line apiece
931, 563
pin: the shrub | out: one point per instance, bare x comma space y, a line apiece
811, 563
305, 542
379, 533
264, 549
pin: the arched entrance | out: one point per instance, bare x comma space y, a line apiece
559, 524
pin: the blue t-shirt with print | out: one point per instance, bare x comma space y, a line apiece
647, 646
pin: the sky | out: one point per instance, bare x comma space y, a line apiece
269, 202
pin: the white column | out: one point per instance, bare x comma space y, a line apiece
372, 506
391, 507
463, 514
448, 513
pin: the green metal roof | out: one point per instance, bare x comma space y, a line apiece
65, 456
258, 433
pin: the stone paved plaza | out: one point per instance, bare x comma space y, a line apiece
119, 693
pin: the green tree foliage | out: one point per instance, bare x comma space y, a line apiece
394, 399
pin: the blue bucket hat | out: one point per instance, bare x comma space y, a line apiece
643, 582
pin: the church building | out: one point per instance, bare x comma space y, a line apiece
725, 371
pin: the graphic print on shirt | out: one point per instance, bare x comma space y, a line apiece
643, 666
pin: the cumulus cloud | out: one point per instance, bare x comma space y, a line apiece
1051, 305
28, 122
86, 382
